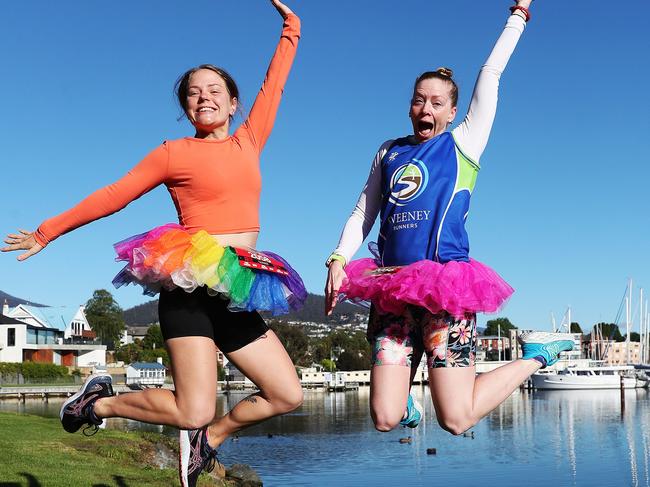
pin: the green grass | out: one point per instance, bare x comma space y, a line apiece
37, 452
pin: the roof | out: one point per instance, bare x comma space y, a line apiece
147, 365
137, 330
6, 320
53, 317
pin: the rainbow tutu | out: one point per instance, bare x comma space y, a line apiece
458, 288
170, 257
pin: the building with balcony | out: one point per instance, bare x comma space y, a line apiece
61, 336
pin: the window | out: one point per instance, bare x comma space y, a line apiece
11, 337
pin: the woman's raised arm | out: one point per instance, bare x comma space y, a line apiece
262, 115
473, 132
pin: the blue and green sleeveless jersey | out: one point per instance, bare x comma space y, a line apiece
426, 190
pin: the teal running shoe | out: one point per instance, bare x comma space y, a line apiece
414, 413
544, 347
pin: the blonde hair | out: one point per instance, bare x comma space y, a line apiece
444, 74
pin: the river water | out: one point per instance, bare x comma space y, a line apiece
542, 438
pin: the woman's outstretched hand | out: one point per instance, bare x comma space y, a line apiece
335, 276
524, 3
281, 8
22, 241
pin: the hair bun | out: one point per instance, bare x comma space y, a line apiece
445, 72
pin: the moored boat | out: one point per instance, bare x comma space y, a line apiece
592, 377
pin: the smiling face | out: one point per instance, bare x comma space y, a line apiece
208, 104
432, 108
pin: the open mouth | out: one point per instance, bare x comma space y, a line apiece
205, 109
425, 128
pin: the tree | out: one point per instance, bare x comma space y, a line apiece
635, 337
320, 350
609, 331
129, 353
136, 352
351, 360
153, 339
328, 365
492, 328
575, 327
295, 341
105, 317
153, 355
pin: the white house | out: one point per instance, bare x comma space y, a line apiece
71, 320
133, 333
51, 335
146, 373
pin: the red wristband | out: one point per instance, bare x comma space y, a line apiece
514, 8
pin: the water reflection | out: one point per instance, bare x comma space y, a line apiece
579, 438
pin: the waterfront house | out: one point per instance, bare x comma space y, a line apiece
233, 374
617, 354
146, 374
61, 336
133, 333
494, 347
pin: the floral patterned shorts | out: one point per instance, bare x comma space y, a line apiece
401, 340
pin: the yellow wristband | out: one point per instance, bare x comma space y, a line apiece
332, 257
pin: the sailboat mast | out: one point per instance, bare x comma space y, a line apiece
628, 308
647, 335
640, 322
644, 336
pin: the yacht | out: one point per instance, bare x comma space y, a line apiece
590, 377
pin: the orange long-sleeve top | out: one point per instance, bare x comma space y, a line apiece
215, 184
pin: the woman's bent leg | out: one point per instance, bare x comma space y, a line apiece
396, 354
192, 404
389, 390
266, 363
461, 398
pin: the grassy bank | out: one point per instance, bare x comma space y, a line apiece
36, 451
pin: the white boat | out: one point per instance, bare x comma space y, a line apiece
599, 377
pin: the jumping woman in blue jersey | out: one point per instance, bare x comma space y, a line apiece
424, 288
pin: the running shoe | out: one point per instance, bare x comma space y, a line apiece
544, 347
78, 410
413, 413
195, 455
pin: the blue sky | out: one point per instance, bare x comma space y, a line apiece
560, 208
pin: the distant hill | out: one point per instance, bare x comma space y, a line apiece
313, 310
14, 301
142, 314
147, 313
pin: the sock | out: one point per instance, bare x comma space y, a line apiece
541, 360
92, 416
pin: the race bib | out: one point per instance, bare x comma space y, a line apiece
385, 270
254, 259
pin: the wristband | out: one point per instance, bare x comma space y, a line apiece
333, 257
525, 11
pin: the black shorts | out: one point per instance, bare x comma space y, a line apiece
184, 314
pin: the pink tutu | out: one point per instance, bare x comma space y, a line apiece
456, 287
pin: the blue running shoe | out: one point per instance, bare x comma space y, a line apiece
78, 410
195, 455
413, 413
544, 347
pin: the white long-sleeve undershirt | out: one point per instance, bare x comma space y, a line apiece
471, 136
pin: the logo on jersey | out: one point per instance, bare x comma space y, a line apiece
408, 182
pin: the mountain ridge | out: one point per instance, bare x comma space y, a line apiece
312, 311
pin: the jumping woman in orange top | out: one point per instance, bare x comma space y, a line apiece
211, 284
